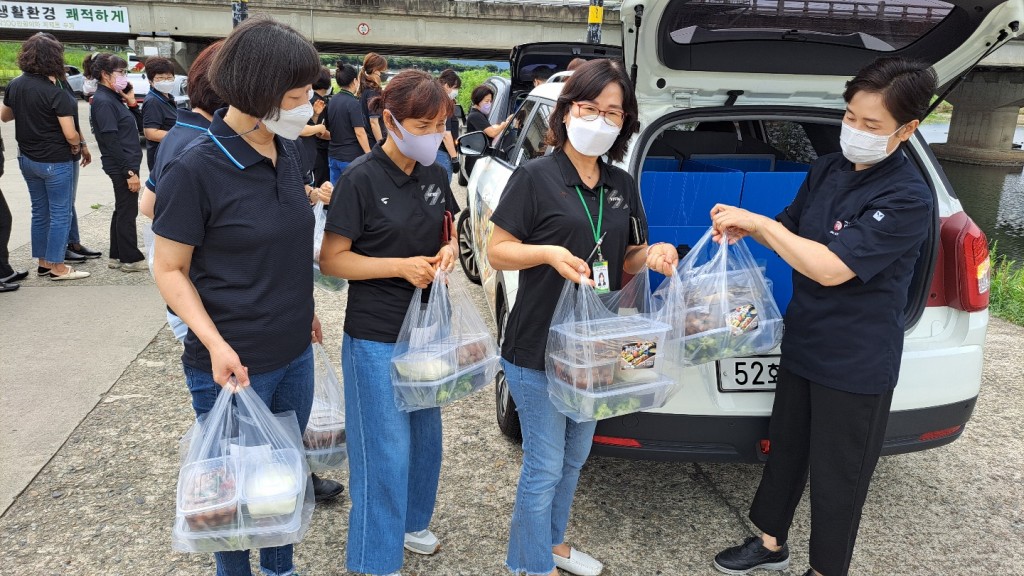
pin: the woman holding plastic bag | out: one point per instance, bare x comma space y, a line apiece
387, 242
852, 235
554, 212
233, 237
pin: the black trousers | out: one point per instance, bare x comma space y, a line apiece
124, 239
836, 436
321, 168
6, 221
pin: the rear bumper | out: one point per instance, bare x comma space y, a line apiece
737, 438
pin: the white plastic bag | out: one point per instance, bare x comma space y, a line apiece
729, 311
604, 352
325, 432
244, 482
444, 351
321, 280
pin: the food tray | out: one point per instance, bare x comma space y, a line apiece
720, 343
410, 396
598, 375
440, 359
208, 494
273, 489
324, 439
583, 405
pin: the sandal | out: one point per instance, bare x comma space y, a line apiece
71, 274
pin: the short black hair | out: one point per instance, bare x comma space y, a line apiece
906, 86
261, 60
323, 82
156, 65
586, 83
543, 73
481, 92
105, 62
449, 77
345, 75
42, 54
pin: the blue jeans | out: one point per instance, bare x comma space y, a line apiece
73, 236
49, 185
446, 162
394, 460
284, 389
337, 167
554, 450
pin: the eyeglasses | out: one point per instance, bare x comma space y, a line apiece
589, 113
120, 72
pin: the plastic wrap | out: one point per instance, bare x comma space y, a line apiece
444, 351
244, 482
321, 280
324, 438
604, 352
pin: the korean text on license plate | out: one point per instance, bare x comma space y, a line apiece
750, 374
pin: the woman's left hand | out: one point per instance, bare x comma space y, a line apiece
662, 258
86, 156
447, 258
735, 223
325, 192
317, 332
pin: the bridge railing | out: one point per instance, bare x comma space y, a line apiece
837, 8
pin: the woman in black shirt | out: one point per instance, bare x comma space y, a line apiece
853, 236
159, 110
345, 121
479, 118
387, 242
371, 77
550, 217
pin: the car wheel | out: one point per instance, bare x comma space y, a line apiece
466, 258
505, 406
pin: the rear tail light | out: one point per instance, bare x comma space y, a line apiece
616, 441
939, 434
765, 446
962, 275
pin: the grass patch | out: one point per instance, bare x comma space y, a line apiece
1006, 292
73, 55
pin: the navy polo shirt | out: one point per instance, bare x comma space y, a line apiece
252, 230
850, 337
387, 214
160, 112
189, 126
116, 132
540, 205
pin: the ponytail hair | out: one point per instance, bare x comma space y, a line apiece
372, 63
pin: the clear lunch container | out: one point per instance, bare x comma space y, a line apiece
324, 439
208, 495
598, 375
411, 395
582, 405
272, 490
438, 360
620, 338
730, 342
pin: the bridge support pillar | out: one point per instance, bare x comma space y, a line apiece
182, 52
985, 110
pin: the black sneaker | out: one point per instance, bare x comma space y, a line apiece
84, 251
325, 490
72, 256
752, 555
15, 276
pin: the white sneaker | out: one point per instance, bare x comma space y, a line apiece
578, 563
140, 266
422, 542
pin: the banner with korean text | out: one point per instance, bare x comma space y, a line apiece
77, 17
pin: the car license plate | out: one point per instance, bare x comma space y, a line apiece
750, 374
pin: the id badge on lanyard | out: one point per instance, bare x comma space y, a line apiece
599, 269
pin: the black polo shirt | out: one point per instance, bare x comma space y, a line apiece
309, 146
37, 103
116, 132
387, 214
74, 100
476, 121
451, 125
344, 114
850, 337
540, 205
365, 96
189, 126
160, 112
252, 230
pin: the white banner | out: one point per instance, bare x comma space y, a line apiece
76, 17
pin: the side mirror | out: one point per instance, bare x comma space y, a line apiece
473, 144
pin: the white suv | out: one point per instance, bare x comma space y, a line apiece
736, 100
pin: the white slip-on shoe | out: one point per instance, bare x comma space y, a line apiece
578, 563
422, 542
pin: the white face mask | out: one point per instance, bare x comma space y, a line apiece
165, 86
291, 122
862, 147
90, 86
453, 94
593, 138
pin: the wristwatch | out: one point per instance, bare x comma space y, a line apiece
130, 173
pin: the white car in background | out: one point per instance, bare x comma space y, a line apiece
758, 122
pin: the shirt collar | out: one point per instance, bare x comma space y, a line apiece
194, 120
572, 177
398, 176
236, 148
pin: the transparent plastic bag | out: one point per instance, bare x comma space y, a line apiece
149, 242
604, 352
321, 280
244, 482
444, 351
325, 432
728, 309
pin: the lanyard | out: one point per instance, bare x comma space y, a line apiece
596, 229
343, 91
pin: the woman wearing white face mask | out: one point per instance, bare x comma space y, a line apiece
384, 236
159, 111
551, 215
234, 234
852, 235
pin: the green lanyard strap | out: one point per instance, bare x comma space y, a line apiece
600, 213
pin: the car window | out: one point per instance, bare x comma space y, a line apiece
791, 138
532, 144
71, 71
509, 139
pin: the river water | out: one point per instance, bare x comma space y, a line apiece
992, 196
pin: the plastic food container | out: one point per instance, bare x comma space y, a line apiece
208, 494
621, 338
729, 342
475, 349
439, 360
324, 439
410, 395
594, 376
273, 486
587, 405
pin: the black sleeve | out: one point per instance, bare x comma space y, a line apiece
152, 116
887, 228
182, 207
636, 206
517, 208
349, 221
